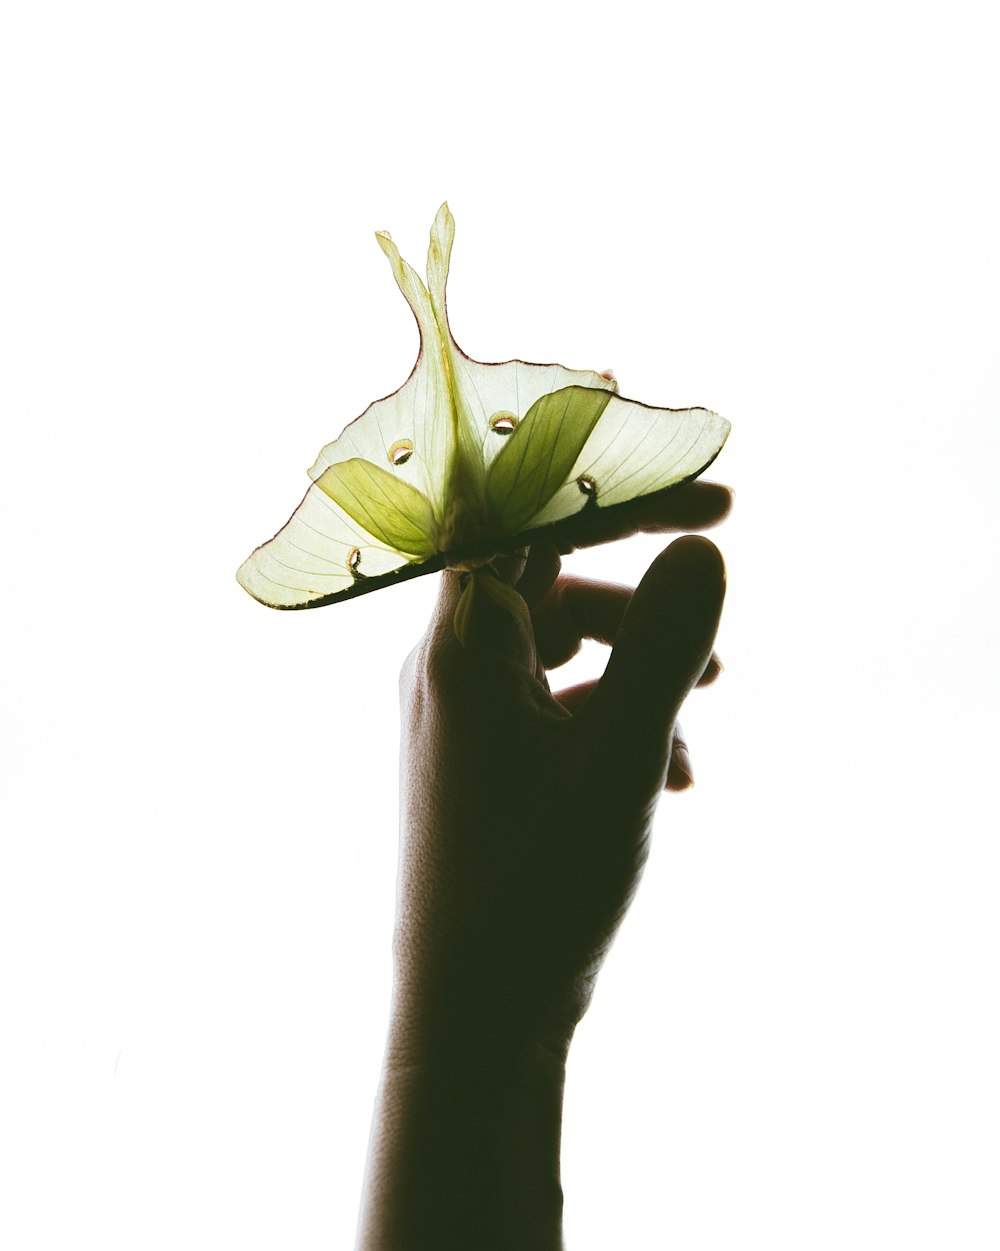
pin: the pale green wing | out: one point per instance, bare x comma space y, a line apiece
491, 398
381, 488
635, 450
319, 554
464, 454
539, 454
411, 431
493, 394
390, 510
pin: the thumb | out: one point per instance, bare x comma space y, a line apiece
661, 650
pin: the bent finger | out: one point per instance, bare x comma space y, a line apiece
712, 670
680, 776
574, 698
576, 609
540, 572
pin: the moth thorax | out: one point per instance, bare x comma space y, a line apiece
463, 524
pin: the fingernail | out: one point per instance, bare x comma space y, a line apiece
682, 761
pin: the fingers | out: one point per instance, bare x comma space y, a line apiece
478, 615
662, 648
493, 623
575, 609
694, 506
679, 773
573, 698
540, 571
510, 566
712, 671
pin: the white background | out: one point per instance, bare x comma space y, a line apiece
785, 213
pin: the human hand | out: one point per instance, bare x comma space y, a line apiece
526, 816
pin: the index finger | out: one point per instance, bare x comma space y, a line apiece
693, 506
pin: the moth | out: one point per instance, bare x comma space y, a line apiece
467, 460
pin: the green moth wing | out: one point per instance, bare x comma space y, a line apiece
539, 455
466, 459
387, 508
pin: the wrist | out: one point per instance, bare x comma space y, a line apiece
471, 999
474, 1038
465, 1148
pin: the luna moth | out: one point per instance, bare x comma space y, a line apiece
467, 460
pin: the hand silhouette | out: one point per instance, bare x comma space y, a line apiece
525, 824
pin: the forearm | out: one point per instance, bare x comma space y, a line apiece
465, 1153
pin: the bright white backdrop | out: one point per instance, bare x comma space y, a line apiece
785, 213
